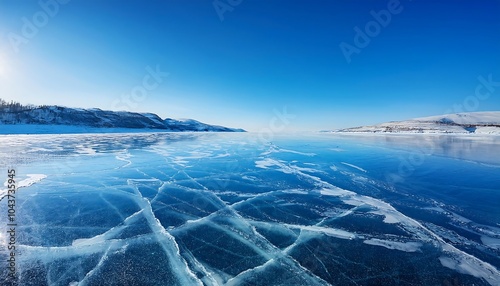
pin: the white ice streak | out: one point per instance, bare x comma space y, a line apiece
354, 166
468, 265
265, 164
184, 275
32, 179
402, 246
245, 275
103, 259
275, 149
83, 246
462, 261
490, 241
124, 156
295, 191
108, 235
195, 155
210, 278
244, 232
52, 253
490, 235
296, 152
338, 233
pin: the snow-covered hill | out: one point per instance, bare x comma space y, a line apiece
459, 123
62, 117
194, 125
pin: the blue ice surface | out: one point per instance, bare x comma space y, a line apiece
232, 209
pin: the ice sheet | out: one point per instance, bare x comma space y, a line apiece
220, 210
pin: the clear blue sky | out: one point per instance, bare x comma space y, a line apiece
262, 55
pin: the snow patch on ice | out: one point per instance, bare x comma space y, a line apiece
266, 163
468, 266
32, 179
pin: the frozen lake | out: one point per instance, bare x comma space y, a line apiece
232, 209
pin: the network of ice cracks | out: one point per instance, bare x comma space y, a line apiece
210, 212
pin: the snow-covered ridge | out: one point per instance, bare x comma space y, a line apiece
487, 122
97, 118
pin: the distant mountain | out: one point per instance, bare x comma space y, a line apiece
194, 125
57, 116
459, 123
